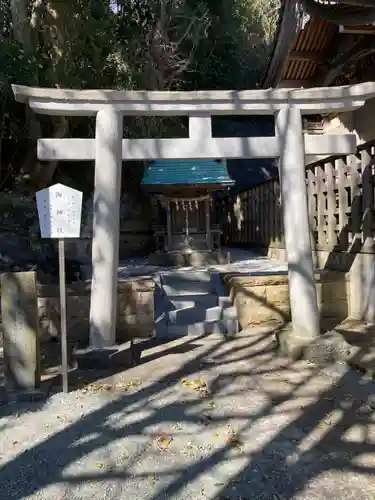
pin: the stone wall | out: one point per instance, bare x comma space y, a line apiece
135, 310
265, 299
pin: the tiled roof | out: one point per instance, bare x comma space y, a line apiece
238, 174
164, 172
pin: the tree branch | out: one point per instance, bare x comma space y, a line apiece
357, 50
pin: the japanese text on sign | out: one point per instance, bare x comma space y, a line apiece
59, 212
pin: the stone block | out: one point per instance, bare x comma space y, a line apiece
135, 310
251, 295
254, 309
135, 326
265, 298
19, 308
277, 294
292, 343
135, 303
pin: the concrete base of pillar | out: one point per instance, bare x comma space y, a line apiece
292, 343
118, 356
324, 350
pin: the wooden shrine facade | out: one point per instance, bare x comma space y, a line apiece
188, 225
182, 194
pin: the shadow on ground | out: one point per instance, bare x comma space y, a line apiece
201, 419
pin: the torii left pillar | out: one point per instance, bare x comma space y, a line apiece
106, 227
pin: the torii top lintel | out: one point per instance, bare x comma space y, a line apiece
229, 102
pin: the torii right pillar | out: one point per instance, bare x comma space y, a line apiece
302, 289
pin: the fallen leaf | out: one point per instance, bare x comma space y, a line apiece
232, 437
163, 441
198, 385
123, 386
133, 383
97, 388
324, 422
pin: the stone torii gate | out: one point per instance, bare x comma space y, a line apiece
109, 149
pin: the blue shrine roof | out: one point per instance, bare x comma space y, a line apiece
237, 175
164, 172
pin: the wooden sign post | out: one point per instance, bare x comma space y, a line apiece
59, 212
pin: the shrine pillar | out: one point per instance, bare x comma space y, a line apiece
106, 228
302, 289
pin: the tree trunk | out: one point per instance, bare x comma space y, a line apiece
21, 24
26, 30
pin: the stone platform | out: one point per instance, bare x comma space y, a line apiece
195, 258
263, 297
135, 310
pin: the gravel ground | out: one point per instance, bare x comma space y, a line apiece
199, 419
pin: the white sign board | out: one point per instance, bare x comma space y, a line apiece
59, 212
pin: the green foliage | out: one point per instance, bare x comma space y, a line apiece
131, 44
235, 53
15, 66
82, 54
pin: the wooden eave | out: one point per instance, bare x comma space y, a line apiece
302, 58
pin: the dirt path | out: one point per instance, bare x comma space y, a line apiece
197, 420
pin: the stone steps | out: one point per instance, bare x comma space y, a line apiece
178, 277
195, 314
186, 301
196, 329
193, 303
